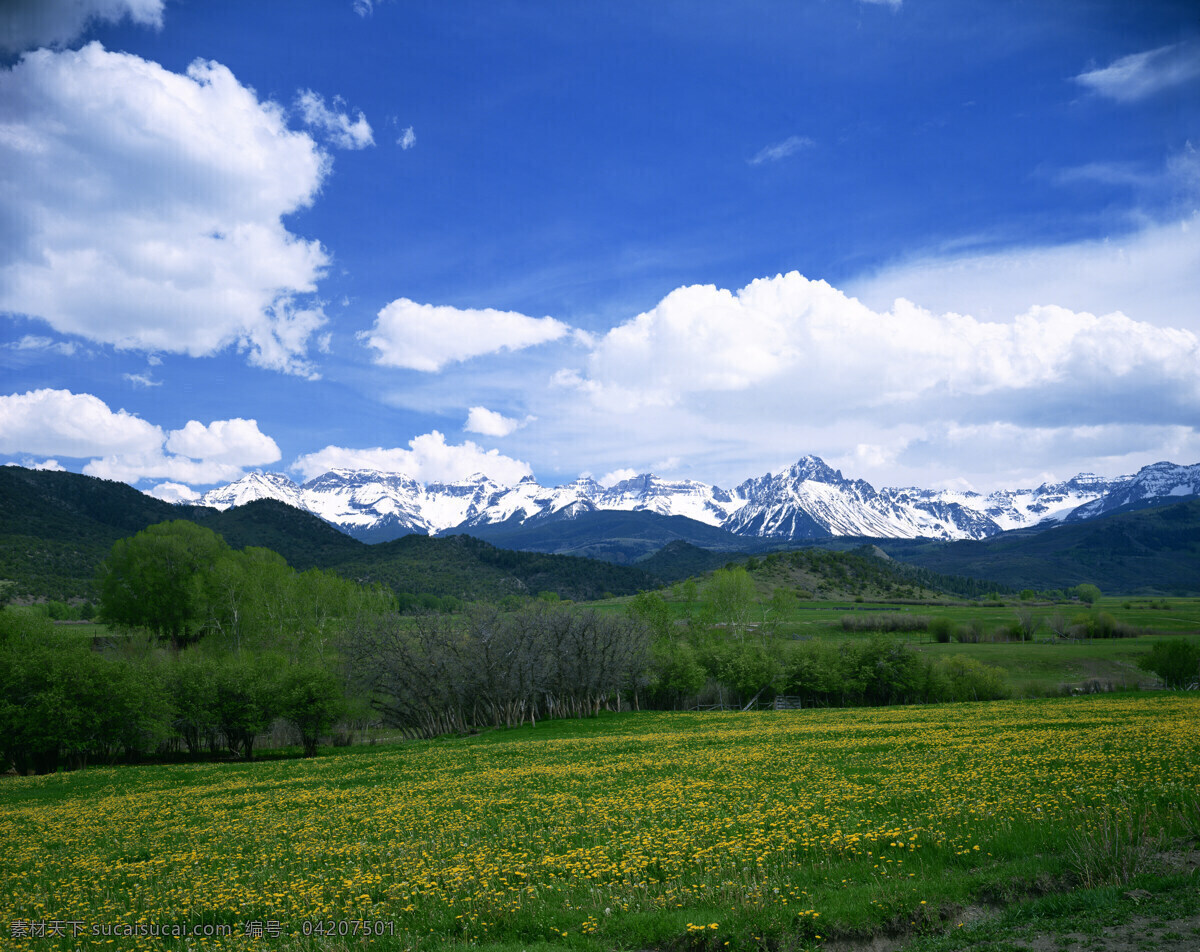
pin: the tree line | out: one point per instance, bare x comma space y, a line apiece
217, 645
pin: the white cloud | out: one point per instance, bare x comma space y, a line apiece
1152, 274
201, 454
27, 24
144, 208
781, 150
234, 441
335, 125
1140, 75
736, 383
134, 467
63, 423
1037, 454
407, 139
616, 476
427, 337
805, 339
173, 492
123, 446
35, 342
142, 380
429, 458
489, 422
51, 465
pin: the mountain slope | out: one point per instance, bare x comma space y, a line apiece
1147, 551
613, 535
472, 569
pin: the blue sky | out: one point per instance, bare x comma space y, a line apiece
936, 243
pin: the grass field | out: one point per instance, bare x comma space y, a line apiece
706, 831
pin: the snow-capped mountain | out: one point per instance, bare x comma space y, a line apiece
807, 500
684, 497
811, 500
1157, 483
255, 486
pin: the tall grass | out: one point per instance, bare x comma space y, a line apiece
1116, 845
884, 621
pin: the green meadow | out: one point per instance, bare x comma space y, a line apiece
765, 830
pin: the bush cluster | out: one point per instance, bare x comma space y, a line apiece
884, 621
440, 674
64, 704
879, 671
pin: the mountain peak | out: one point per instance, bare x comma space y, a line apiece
816, 469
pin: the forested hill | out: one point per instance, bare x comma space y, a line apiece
1147, 551
56, 528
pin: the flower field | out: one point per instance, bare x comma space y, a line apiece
630, 831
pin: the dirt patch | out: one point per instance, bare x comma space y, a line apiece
1140, 935
900, 933
1179, 860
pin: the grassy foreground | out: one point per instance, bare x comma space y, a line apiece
706, 831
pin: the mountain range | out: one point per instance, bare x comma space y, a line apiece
807, 501
57, 527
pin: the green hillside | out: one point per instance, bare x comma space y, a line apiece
471, 569
1148, 551
615, 535
56, 528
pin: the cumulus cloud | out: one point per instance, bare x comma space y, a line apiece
141, 380
197, 453
235, 441
27, 24
144, 208
1139, 75
489, 422
60, 422
807, 340
407, 139
781, 150
429, 458
740, 382
125, 447
428, 337
173, 492
334, 125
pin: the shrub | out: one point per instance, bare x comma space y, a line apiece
970, 680
1176, 662
968, 633
942, 629
884, 621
